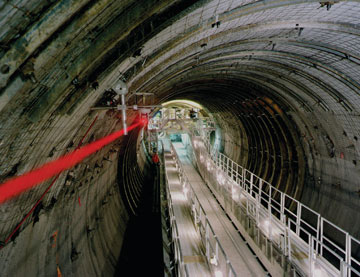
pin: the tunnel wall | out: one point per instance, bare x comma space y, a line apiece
57, 59
80, 223
302, 52
331, 184
330, 181
51, 73
79, 226
81, 233
319, 144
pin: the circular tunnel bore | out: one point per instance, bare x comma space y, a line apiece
256, 131
280, 77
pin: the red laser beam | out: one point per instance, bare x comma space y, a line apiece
17, 185
46, 191
143, 121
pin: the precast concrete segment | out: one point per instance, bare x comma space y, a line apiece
277, 64
17, 185
47, 189
192, 247
59, 50
243, 261
256, 25
37, 34
276, 146
95, 52
96, 230
312, 66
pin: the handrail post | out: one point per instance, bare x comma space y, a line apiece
348, 252
251, 182
216, 248
207, 242
227, 166
311, 257
298, 218
292, 224
318, 233
269, 212
321, 236
257, 210
344, 270
282, 208
243, 177
289, 239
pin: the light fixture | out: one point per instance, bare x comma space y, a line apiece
208, 165
220, 178
185, 191
184, 102
318, 272
234, 194
213, 260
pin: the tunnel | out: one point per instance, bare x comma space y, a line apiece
279, 77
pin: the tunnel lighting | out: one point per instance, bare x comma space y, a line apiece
19, 184
208, 165
235, 194
193, 208
267, 226
184, 102
220, 178
271, 228
318, 272
213, 260
178, 196
201, 158
185, 191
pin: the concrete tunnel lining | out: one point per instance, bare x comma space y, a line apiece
280, 77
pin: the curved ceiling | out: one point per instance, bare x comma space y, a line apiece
281, 77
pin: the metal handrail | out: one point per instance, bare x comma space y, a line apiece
207, 223
182, 267
254, 192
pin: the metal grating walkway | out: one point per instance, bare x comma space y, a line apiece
238, 254
190, 241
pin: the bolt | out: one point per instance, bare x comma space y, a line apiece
4, 69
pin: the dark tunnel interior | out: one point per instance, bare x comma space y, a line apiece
280, 78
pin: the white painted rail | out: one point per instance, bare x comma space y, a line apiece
313, 245
214, 249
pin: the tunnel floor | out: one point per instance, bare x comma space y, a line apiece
142, 247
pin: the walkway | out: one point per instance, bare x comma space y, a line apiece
192, 248
239, 255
